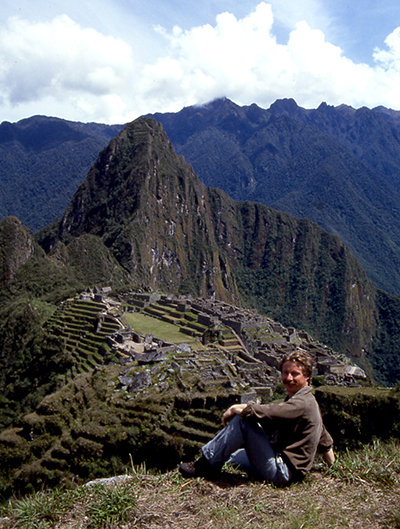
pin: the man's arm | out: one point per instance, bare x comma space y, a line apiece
325, 447
236, 409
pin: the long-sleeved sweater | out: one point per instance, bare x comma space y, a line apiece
294, 427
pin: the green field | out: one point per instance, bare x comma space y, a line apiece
143, 324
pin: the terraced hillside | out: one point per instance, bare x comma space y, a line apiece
134, 395
104, 420
221, 342
84, 326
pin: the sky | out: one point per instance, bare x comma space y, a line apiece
110, 61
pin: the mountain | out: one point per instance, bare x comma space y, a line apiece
167, 231
150, 209
16, 248
43, 160
337, 166
143, 220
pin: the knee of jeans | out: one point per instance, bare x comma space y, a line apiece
239, 458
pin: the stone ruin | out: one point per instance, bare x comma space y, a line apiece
250, 351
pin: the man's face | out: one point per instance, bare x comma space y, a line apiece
293, 377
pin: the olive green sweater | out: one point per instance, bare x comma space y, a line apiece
294, 427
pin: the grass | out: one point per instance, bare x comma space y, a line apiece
150, 325
362, 490
94, 507
377, 464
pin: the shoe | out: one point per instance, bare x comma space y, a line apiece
199, 468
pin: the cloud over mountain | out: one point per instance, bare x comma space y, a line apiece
60, 67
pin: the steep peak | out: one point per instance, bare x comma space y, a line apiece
330, 111
346, 108
130, 175
216, 113
217, 110
221, 103
324, 107
152, 212
346, 111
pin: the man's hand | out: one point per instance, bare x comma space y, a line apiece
236, 409
329, 457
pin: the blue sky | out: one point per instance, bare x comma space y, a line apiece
111, 61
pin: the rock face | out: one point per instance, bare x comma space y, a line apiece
16, 248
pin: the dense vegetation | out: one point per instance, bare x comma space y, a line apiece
43, 160
334, 165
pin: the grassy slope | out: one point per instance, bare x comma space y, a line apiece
361, 491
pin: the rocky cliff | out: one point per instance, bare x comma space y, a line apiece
153, 213
15, 250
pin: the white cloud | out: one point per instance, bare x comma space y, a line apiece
390, 59
231, 58
61, 61
60, 68
241, 59
290, 12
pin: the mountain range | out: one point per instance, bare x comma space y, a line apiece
43, 160
337, 166
142, 221
142, 217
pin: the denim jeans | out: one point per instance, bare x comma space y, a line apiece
246, 445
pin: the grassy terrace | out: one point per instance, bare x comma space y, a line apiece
146, 324
163, 320
77, 322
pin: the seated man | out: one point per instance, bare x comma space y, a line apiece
276, 442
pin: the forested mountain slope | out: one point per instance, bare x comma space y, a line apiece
143, 216
337, 166
142, 221
42, 162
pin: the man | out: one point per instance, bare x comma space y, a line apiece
275, 442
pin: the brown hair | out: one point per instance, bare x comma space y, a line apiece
299, 356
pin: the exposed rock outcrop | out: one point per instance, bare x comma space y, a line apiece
15, 250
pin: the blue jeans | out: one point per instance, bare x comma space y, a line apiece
246, 445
